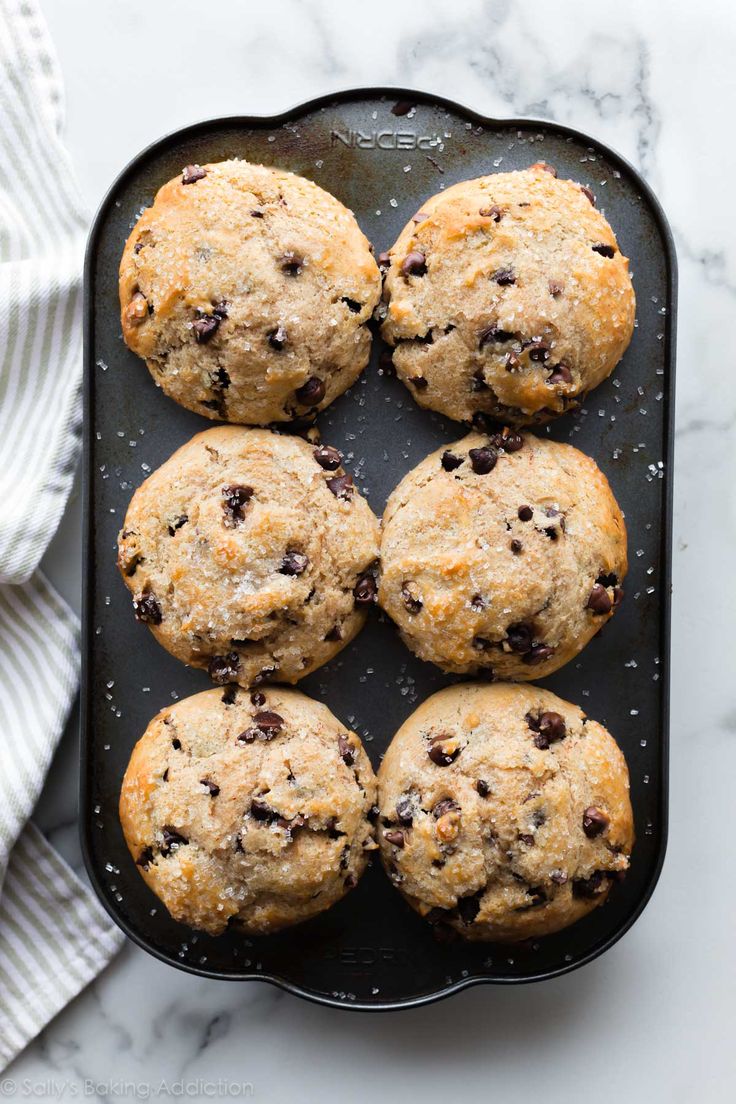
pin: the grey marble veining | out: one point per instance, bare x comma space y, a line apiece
651, 1020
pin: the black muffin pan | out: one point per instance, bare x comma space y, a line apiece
381, 152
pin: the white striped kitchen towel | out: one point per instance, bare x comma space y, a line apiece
54, 935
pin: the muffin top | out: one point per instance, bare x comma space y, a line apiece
246, 290
507, 296
248, 553
504, 811
502, 555
248, 808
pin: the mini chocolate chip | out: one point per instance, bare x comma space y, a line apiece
176, 744
413, 603
538, 351
618, 596
520, 636
604, 250
291, 264
147, 609
526, 838
599, 600
559, 877
384, 261
492, 334
588, 887
192, 173
312, 392
477, 603
419, 382
294, 563
334, 634
365, 590
468, 908
145, 858
350, 881
556, 287
493, 212
277, 338
346, 749
341, 486
258, 699
328, 457
552, 512
211, 786
446, 805
450, 461
482, 787
481, 644
172, 839
229, 694
181, 520
504, 277
352, 304
483, 460
549, 727
402, 107
224, 668
595, 822
165, 775
259, 810
395, 838
439, 756
543, 165
236, 498
538, 654
587, 193
525, 513
269, 723
414, 264
552, 725
511, 441
405, 811
255, 213
205, 328
516, 547
560, 374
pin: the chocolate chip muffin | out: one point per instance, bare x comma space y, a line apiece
250, 553
507, 296
502, 554
504, 812
248, 809
247, 290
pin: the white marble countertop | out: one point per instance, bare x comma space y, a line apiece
653, 1019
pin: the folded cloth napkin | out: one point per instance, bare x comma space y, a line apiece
54, 935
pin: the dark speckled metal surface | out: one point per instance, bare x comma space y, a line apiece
371, 951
